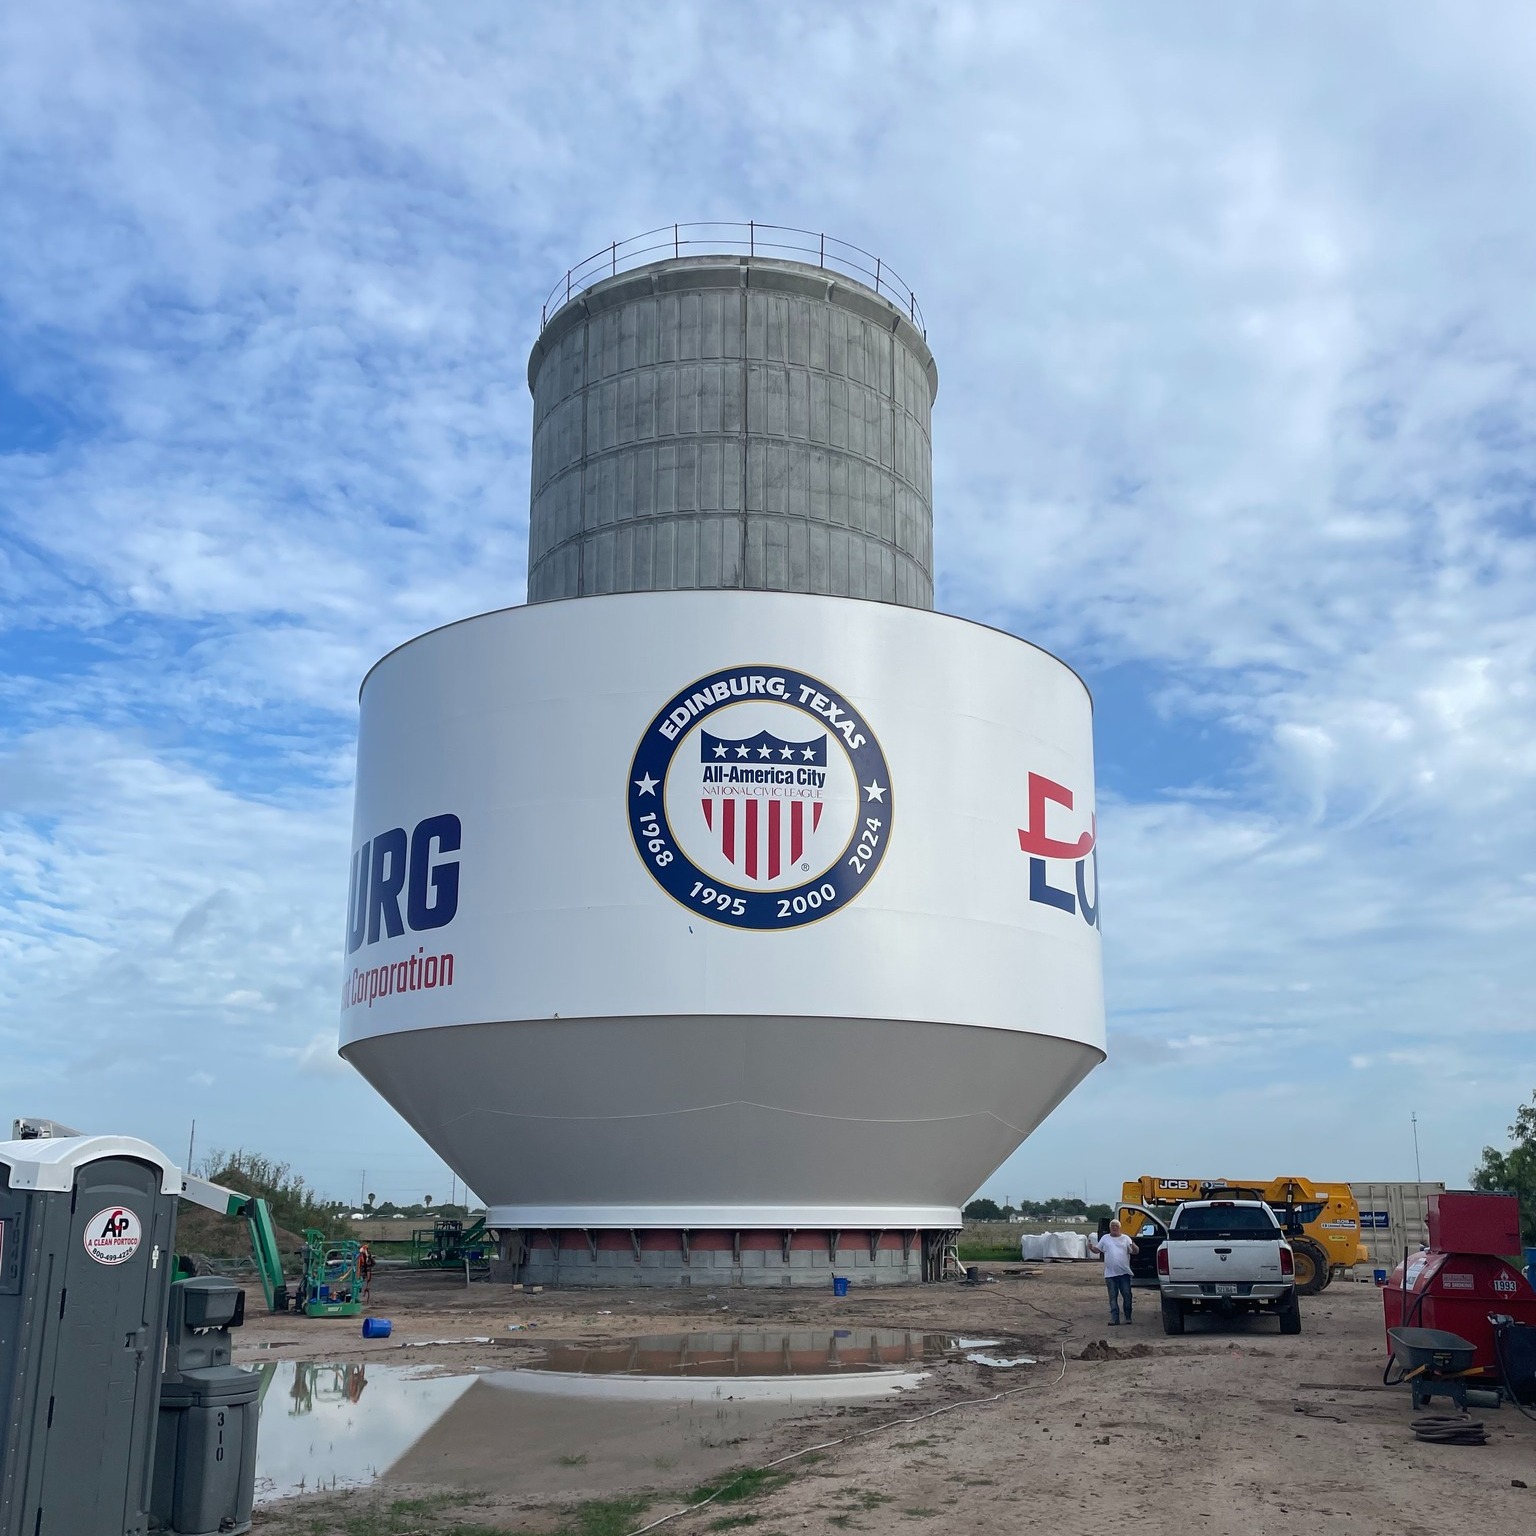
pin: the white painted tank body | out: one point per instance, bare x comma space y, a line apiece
852, 1034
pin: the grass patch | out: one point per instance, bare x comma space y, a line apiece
578, 1460
431, 1503
736, 1486
603, 1517
344, 1516
842, 1522
917, 1512
989, 1253
912, 1445
732, 1522
866, 1498
388, 1248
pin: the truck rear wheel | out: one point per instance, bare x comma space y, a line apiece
1173, 1317
1289, 1313
1312, 1268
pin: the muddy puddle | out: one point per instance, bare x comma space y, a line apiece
825, 1365
571, 1419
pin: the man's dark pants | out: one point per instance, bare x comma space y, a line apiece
1119, 1288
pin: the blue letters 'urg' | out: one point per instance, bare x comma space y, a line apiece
383, 867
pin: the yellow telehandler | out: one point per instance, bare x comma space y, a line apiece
1321, 1221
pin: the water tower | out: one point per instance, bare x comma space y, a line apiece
724, 914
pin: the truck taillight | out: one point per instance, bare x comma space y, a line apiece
1162, 1261
1287, 1260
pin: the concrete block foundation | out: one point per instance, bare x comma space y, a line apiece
606, 1257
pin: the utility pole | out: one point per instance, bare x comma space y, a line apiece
1418, 1172
190, 1140
362, 1190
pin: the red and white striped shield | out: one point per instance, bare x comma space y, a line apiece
765, 804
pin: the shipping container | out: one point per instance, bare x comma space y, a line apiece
1394, 1217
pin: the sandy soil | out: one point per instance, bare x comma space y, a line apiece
1231, 1429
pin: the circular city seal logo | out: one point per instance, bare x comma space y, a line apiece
113, 1236
760, 798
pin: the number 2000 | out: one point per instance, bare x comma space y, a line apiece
797, 906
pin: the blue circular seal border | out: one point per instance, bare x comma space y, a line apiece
765, 911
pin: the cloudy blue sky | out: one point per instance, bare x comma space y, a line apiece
1234, 312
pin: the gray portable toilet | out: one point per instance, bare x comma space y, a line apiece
205, 1451
87, 1225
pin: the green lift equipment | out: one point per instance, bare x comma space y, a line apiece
330, 1285
257, 1215
449, 1244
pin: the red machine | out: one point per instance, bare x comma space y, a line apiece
1461, 1281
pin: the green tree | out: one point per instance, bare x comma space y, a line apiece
294, 1204
983, 1210
1514, 1171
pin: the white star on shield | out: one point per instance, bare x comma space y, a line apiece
647, 785
875, 790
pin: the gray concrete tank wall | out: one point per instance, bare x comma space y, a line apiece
731, 422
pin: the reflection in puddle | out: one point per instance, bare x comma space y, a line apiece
625, 1414
799, 1352
804, 1365
326, 1426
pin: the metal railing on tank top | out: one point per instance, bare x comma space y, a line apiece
720, 239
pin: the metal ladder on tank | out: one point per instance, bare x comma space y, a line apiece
950, 1267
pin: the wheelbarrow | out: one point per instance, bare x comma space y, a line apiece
1435, 1363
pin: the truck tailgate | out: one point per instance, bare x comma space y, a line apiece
1233, 1261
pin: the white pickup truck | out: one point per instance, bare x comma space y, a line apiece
1226, 1256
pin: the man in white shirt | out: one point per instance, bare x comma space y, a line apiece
1116, 1250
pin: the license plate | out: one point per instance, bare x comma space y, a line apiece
1226, 1290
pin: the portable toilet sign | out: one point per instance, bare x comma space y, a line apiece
112, 1236
87, 1228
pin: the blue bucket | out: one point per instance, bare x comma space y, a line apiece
839, 1285
377, 1327
1379, 1276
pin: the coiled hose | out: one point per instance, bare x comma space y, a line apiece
1449, 1429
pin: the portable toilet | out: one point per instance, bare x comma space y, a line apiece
87, 1225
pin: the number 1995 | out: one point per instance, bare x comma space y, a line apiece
708, 896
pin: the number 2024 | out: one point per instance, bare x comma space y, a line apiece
861, 855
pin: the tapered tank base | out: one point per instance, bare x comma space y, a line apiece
722, 1122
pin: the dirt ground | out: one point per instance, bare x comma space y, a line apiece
1230, 1429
